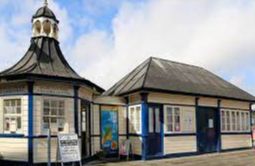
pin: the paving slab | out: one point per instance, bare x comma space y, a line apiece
237, 158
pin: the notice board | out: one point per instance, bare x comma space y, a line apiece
69, 149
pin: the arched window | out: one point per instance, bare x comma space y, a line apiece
55, 30
37, 27
47, 27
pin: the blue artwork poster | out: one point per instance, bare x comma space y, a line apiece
109, 131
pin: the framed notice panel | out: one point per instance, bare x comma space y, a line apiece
109, 131
69, 149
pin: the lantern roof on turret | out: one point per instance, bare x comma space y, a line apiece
44, 58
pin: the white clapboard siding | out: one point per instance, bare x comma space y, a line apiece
179, 144
95, 116
205, 101
86, 93
235, 104
122, 119
134, 99
171, 99
38, 114
41, 150
236, 141
95, 145
136, 143
14, 149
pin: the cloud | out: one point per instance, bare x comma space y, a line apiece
218, 35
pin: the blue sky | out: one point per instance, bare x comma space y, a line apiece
105, 39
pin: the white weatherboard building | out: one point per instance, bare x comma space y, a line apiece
164, 108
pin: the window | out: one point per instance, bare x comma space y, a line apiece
235, 121
53, 115
135, 119
12, 116
173, 119
223, 121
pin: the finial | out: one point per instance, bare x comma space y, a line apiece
45, 2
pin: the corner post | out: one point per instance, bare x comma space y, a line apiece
144, 119
30, 86
218, 125
196, 112
251, 125
76, 107
127, 118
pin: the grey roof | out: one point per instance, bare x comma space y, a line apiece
45, 12
44, 59
168, 76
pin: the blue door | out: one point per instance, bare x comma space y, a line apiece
155, 131
207, 129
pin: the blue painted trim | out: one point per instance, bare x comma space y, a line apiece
173, 104
76, 119
252, 141
236, 133
30, 123
218, 129
196, 112
144, 119
12, 136
127, 117
179, 134
235, 149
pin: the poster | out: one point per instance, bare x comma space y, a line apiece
69, 147
109, 130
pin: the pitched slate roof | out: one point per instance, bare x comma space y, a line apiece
45, 59
45, 12
164, 75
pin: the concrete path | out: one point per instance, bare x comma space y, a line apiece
237, 158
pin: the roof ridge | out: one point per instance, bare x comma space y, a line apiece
147, 70
181, 63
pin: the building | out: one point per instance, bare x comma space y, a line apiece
176, 109
164, 108
40, 92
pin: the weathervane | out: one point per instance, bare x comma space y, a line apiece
46, 2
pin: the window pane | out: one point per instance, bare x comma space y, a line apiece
138, 119
54, 104
157, 120
54, 112
61, 112
169, 119
151, 121
233, 121
46, 111
228, 120
18, 122
53, 120
7, 124
243, 121
247, 121
223, 121
238, 121
177, 119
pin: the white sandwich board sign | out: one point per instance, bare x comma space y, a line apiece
69, 149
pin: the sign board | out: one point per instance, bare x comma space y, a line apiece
109, 130
69, 149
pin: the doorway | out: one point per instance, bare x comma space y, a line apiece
207, 129
85, 141
155, 131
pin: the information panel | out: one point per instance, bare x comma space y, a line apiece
109, 130
69, 147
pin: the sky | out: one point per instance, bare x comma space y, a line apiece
103, 40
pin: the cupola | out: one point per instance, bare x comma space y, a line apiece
45, 23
